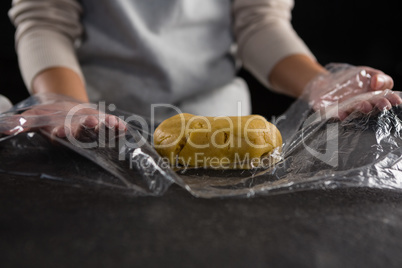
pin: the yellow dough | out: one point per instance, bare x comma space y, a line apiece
216, 142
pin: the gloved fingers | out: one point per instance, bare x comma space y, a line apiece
113, 122
393, 98
365, 107
77, 128
362, 106
342, 115
59, 131
381, 103
381, 82
364, 103
89, 122
385, 99
88, 127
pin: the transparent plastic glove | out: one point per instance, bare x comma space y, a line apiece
58, 116
351, 89
123, 158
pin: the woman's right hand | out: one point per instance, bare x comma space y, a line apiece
65, 118
61, 108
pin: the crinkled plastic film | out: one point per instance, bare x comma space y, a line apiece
108, 164
319, 152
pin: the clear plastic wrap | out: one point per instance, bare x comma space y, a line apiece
319, 150
30, 147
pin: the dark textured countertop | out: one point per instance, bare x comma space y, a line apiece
52, 224
49, 223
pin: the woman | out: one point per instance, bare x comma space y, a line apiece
138, 53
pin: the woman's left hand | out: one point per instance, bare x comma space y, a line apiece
352, 89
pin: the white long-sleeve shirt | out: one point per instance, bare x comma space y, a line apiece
138, 52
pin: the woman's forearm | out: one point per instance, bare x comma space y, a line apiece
293, 73
60, 80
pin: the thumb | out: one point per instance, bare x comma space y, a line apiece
381, 82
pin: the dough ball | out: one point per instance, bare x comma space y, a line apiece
216, 142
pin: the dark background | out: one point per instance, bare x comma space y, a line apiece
354, 31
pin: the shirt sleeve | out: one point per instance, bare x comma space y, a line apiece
46, 34
265, 35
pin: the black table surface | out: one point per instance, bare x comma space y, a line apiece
52, 224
